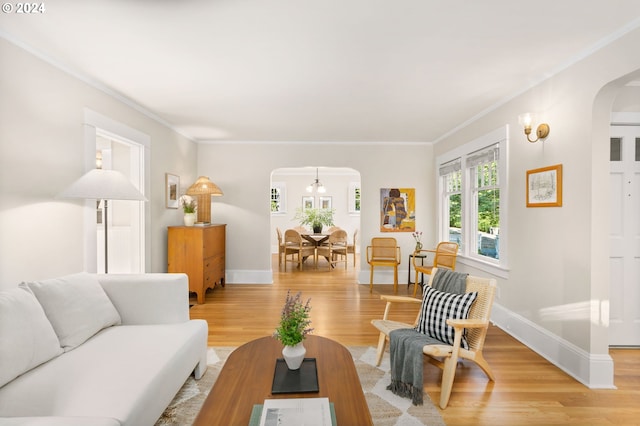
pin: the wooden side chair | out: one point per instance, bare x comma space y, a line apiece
444, 256
351, 248
280, 245
383, 251
443, 355
294, 245
334, 249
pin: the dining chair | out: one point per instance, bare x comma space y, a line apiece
280, 245
335, 249
303, 230
351, 248
383, 251
294, 245
444, 256
473, 330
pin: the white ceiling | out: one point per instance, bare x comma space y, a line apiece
323, 70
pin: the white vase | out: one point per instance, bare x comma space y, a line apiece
189, 219
294, 355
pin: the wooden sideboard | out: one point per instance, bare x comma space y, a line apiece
198, 251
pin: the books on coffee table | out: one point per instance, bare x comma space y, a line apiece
297, 412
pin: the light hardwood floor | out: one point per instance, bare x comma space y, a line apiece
528, 390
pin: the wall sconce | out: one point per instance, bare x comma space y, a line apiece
526, 120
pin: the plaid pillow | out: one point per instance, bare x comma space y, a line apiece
437, 308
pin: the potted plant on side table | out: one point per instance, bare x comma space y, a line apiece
293, 327
189, 208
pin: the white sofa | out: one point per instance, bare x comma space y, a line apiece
90, 349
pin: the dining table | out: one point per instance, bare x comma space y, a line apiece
315, 239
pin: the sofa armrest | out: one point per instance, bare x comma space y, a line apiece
153, 298
58, 421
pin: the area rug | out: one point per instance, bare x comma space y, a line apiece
386, 408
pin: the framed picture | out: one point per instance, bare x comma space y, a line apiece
544, 187
172, 186
397, 209
308, 203
325, 203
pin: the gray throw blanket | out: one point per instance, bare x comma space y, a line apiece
405, 345
450, 281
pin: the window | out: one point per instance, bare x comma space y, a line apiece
472, 198
278, 198
452, 199
485, 194
354, 197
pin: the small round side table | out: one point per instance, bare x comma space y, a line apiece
417, 256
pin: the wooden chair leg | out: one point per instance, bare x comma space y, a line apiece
415, 286
371, 279
484, 365
395, 279
382, 341
448, 374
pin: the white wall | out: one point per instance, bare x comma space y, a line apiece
42, 152
556, 296
243, 171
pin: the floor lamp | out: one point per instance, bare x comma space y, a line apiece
103, 185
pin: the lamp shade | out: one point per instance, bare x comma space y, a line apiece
203, 189
204, 186
103, 185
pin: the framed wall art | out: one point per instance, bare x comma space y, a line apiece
544, 187
325, 202
308, 203
397, 210
172, 186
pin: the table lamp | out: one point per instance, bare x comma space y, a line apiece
203, 189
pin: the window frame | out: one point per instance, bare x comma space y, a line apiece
355, 198
467, 252
282, 188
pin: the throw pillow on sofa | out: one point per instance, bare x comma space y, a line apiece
27, 338
76, 306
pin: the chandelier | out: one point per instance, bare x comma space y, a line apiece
316, 186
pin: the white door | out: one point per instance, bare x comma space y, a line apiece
624, 325
125, 218
127, 150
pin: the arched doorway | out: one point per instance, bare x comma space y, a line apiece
289, 192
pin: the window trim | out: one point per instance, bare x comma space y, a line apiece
466, 255
353, 187
282, 187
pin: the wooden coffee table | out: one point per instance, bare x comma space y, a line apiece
247, 376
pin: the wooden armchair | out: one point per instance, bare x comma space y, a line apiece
444, 256
443, 355
295, 244
383, 251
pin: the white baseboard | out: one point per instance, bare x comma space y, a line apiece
593, 370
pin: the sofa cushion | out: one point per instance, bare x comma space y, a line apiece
129, 373
59, 421
76, 306
27, 338
437, 308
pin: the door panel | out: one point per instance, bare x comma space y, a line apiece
624, 261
